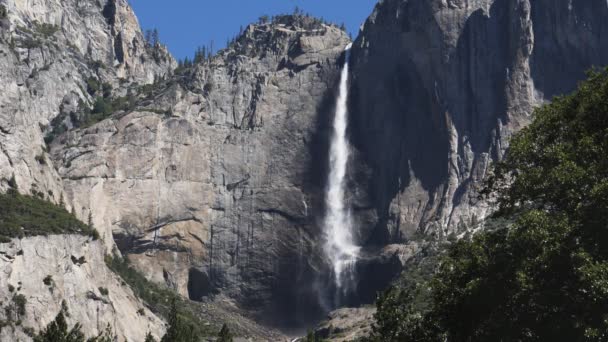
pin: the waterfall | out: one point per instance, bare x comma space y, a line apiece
339, 246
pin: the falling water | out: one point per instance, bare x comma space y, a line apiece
339, 245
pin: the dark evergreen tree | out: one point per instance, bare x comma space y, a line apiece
155, 37
544, 276
150, 338
57, 331
225, 335
178, 330
263, 19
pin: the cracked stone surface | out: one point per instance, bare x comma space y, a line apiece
439, 87
75, 271
213, 183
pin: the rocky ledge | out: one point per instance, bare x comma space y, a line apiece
40, 275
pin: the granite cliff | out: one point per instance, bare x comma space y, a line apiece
439, 87
213, 182
210, 177
49, 49
68, 271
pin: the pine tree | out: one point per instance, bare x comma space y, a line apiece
263, 19
178, 330
57, 331
149, 337
90, 221
148, 37
225, 335
155, 37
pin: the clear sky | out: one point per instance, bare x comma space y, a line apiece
187, 24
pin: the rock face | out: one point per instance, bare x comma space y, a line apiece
347, 324
48, 51
439, 87
215, 181
49, 270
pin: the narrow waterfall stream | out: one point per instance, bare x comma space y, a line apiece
339, 245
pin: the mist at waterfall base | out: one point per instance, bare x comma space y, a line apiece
339, 247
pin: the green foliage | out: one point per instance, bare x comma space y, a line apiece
58, 127
545, 276
107, 335
93, 86
264, 19
104, 291
402, 307
48, 280
179, 330
40, 159
58, 331
106, 89
15, 310
95, 65
29, 332
101, 107
154, 45
22, 216
150, 338
19, 300
225, 335
31, 43
46, 30
310, 337
3, 12
161, 300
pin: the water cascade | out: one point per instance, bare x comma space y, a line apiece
339, 245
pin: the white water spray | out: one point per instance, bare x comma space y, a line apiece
339, 245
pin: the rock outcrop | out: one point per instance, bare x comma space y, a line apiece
68, 269
215, 181
49, 49
347, 324
211, 180
440, 86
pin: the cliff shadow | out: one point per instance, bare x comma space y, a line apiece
577, 52
304, 278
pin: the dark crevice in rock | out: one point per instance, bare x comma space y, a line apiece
91, 295
119, 52
169, 222
286, 215
109, 12
199, 284
235, 185
78, 261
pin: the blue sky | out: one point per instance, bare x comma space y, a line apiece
187, 24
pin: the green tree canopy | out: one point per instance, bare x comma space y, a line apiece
179, 330
225, 335
544, 277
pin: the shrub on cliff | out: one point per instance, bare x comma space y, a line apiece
22, 216
180, 313
225, 335
179, 330
545, 276
58, 331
